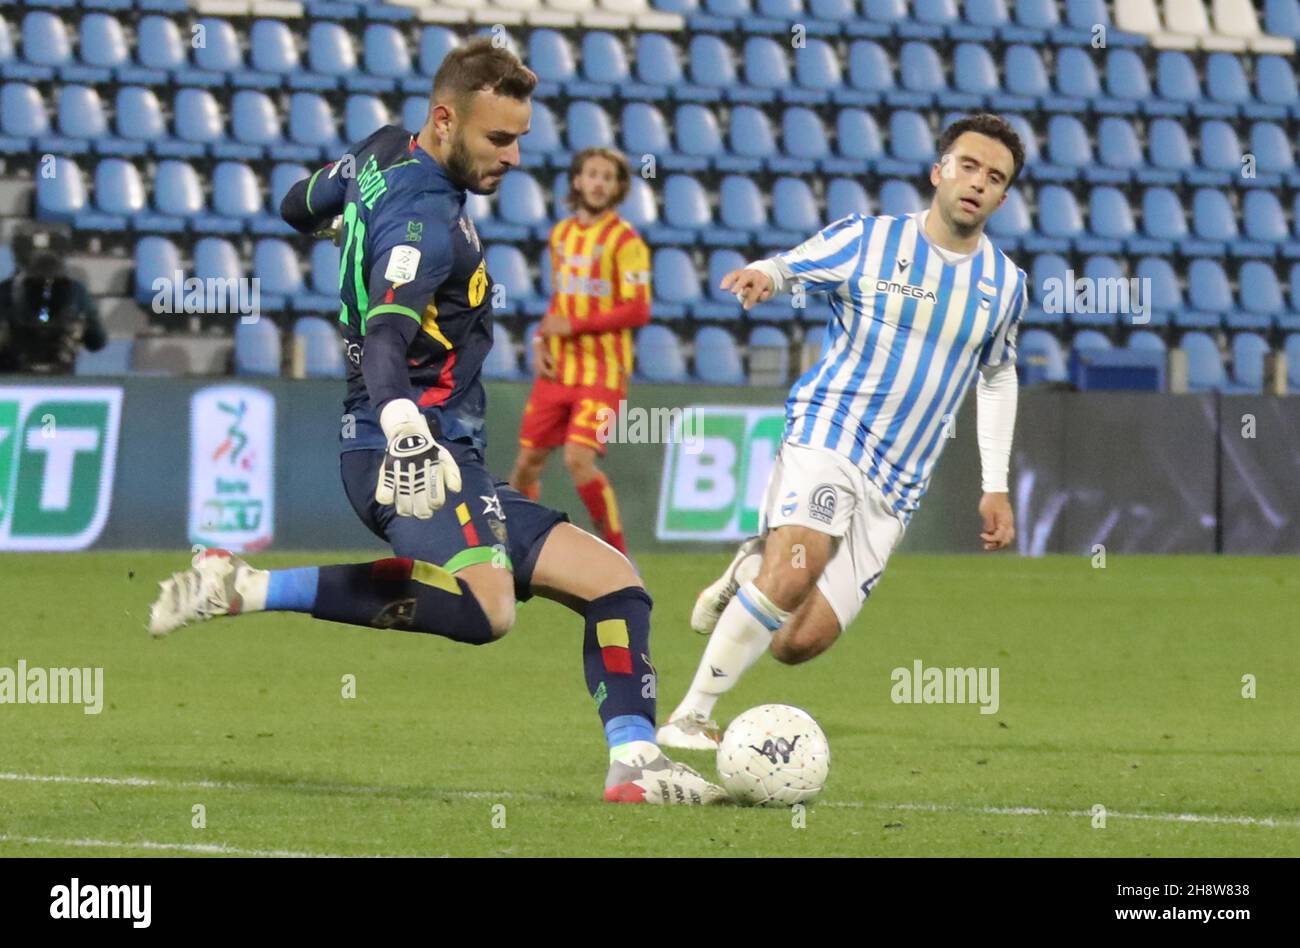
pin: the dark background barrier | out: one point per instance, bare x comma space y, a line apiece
1133, 472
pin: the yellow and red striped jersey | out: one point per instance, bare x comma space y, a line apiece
595, 269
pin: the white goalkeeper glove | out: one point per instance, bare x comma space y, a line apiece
417, 472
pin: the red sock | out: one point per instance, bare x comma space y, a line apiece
598, 497
532, 491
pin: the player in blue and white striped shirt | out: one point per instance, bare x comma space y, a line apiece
920, 303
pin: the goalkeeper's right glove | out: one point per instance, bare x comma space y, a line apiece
416, 473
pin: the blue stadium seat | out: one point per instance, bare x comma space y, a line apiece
910, 139
639, 206
987, 13
712, 67
697, 131
920, 73
870, 74
751, 140
219, 50
858, 142
385, 53
508, 268
197, 119
522, 203
283, 177
312, 123
1261, 297
236, 191
415, 112
717, 359
686, 205
330, 51
1168, 147
275, 266
773, 343
974, 73
766, 70
1076, 78
82, 122
1292, 352
817, 69
603, 61
1039, 357
1108, 307
1110, 215
719, 303
658, 64
1028, 136
845, 196
257, 348
1090, 339
1248, 352
659, 355
1291, 320
502, 362
1225, 80
1176, 80
158, 48
1165, 296
676, 283
1069, 151
1220, 149
23, 118
794, 208
119, 193
155, 258
1127, 84
1118, 151
139, 115
1282, 18
1209, 291
1275, 89
898, 198
61, 195
1011, 221
1264, 219
435, 43
217, 264
588, 126
272, 48
803, 137
1025, 79
7, 263
1273, 153
551, 57
323, 348
1049, 274
177, 197
1037, 14
1144, 340
322, 295
1213, 220
543, 139
46, 46
740, 204
1058, 215
1204, 362
1163, 219
103, 43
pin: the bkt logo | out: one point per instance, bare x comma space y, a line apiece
58, 452
906, 289
778, 748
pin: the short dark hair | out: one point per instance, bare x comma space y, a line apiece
993, 126
622, 172
482, 66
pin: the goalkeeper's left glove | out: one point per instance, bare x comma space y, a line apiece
417, 472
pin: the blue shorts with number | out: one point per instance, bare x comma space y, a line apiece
486, 520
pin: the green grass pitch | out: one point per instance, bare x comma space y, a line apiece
1119, 686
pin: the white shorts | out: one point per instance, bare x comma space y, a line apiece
824, 491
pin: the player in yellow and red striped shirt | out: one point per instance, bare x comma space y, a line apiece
600, 279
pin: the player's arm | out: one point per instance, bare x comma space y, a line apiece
313, 203
996, 396
416, 472
822, 262
631, 309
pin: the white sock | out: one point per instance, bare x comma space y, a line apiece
251, 585
744, 632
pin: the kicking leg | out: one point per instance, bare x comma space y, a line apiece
590, 577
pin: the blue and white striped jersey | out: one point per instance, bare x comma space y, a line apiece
908, 332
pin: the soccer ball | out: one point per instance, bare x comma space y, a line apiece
774, 755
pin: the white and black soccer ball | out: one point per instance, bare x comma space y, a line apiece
774, 755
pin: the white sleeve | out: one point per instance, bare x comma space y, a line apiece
822, 262
996, 394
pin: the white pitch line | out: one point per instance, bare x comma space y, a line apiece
1269, 821
245, 786
204, 849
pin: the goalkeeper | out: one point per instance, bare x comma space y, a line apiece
417, 323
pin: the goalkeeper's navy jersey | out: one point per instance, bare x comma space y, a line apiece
407, 248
